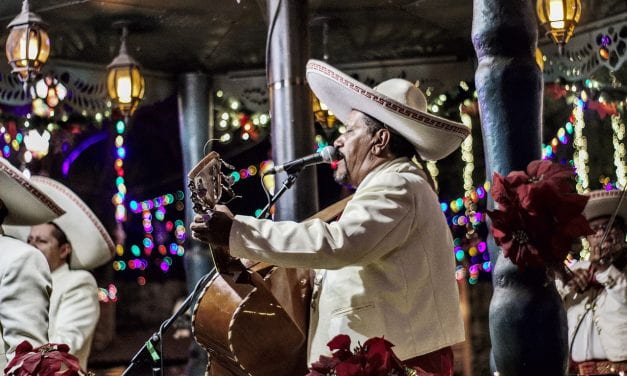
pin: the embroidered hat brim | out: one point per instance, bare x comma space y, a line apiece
433, 137
27, 205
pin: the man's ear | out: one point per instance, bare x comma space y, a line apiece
381, 141
66, 250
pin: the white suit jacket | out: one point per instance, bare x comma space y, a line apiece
24, 297
387, 264
74, 310
606, 316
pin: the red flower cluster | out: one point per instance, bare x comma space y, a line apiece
50, 359
539, 214
374, 358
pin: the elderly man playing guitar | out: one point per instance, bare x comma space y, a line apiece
385, 267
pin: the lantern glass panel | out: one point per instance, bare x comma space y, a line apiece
16, 45
44, 46
136, 81
111, 84
142, 86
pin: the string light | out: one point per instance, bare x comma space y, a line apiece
580, 143
467, 155
618, 129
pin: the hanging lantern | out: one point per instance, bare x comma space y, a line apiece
125, 82
559, 18
28, 44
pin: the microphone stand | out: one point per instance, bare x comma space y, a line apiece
151, 351
287, 184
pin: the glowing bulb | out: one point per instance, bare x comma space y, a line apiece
556, 14
123, 88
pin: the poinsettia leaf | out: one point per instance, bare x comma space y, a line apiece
324, 364
516, 178
23, 348
501, 191
340, 342
49, 367
349, 369
31, 361
547, 170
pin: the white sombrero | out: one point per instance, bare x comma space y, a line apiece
91, 244
603, 203
396, 102
26, 204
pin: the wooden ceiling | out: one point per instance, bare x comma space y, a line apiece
221, 35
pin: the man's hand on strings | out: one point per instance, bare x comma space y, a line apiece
601, 257
213, 228
580, 279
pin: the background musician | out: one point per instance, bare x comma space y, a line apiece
25, 282
595, 295
385, 267
72, 244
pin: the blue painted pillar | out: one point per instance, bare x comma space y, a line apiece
528, 327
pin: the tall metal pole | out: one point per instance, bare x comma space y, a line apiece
290, 103
194, 128
527, 320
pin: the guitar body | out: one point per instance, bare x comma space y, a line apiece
252, 319
257, 327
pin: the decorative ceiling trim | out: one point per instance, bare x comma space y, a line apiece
602, 44
86, 87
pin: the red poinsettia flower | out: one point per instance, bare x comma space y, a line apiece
520, 235
539, 214
374, 358
531, 187
51, 359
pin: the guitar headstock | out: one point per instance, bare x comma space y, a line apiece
208, 183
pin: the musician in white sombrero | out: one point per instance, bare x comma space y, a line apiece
595, 294
385, 268
73, 244
25, 281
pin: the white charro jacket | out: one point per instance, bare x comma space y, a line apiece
24, 297
603, 316
387, 265
74, 310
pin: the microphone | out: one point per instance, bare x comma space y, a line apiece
327, 155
